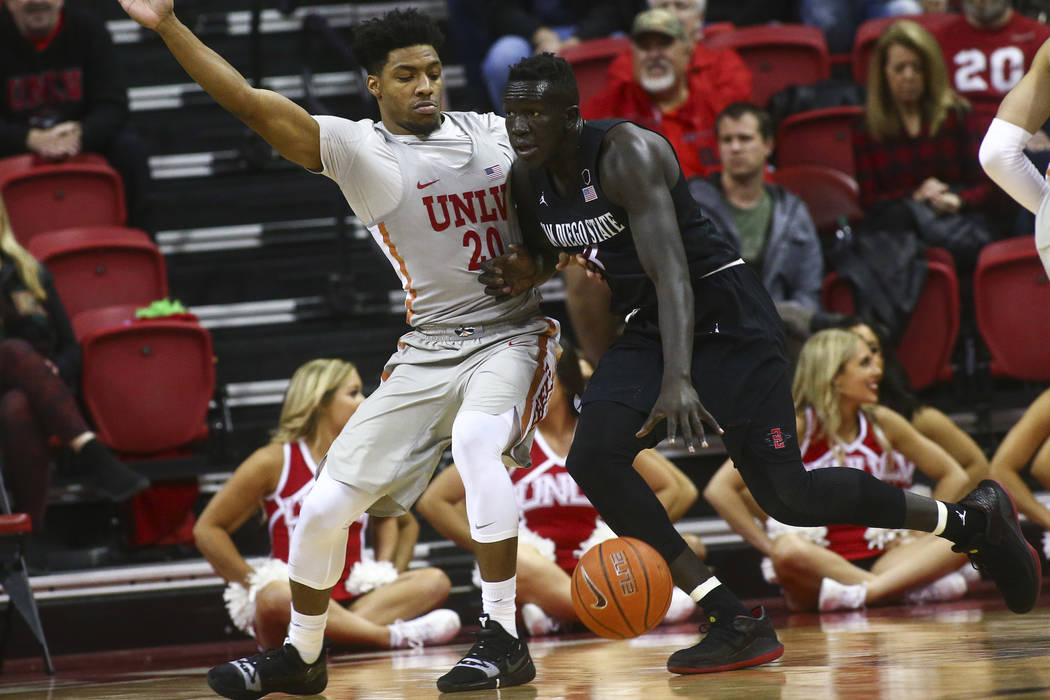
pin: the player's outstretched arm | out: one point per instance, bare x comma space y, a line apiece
638, 169
283, 124
1022, 112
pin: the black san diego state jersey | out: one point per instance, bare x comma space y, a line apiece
585, 221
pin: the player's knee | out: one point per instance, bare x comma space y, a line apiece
477, 438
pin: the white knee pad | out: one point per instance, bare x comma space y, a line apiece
478, 442
317, 553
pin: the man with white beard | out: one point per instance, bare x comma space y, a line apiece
676, 87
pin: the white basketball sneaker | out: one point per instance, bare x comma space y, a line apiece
436, 627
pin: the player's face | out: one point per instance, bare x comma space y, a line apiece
871, 340
536, 123
741, 147
687, 12
35, 18
858, 381
660, 61
409, 90
904, 75
344, 401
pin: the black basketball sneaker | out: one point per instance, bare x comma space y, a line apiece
1001, 551
497, 660
278, 670
736, 642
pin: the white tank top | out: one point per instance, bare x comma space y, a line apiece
450, 215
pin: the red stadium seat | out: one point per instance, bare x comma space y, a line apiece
829, 194
102, 266
40, 196
1012, 298
778, 55
590, 60
818, 137
868, 33
147, 382
926, 346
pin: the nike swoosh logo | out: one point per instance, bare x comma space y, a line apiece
421, 185
519, 342
599, 599
482, 527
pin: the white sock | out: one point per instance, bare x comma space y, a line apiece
497, 601
306, 634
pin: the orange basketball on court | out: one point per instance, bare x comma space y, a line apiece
621, 588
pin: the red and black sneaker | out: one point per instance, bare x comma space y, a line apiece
730, 643
1001, 551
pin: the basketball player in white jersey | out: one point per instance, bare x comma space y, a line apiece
1023, 112
475, 371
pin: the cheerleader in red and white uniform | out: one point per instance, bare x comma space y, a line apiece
376, 603
841, 425
558, 523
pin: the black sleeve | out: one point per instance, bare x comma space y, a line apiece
12, 137
67, 350
503, 17
105, 96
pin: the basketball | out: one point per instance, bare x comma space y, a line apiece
621, 588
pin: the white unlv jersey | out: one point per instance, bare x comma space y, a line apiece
449, 217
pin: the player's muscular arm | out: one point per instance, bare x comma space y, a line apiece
285, 125
1028, 104
638, 169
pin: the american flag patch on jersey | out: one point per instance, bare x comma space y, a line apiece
495, 172
589, 195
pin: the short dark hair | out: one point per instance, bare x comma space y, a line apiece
374, 39
550, 68
739, 109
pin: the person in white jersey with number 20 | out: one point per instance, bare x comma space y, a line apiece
474, 371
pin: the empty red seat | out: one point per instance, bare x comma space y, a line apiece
926, 347
101, 266
590, 60
869, 31
146, 382
40, 196
778, 55
818, 137
1012, 299
829, 194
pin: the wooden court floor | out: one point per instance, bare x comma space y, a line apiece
966, 650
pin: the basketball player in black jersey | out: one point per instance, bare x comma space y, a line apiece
700, 325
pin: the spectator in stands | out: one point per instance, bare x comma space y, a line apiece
934, 6
39, 362
373, 597
917, 140
987, 49
558, 522
690, 13
771, 227
1028, 443
895, 393
841, 425
673, 85
63, 94
839, 19
527, 27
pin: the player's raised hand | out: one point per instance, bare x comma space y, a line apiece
148, 13
508, 274
679, 404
